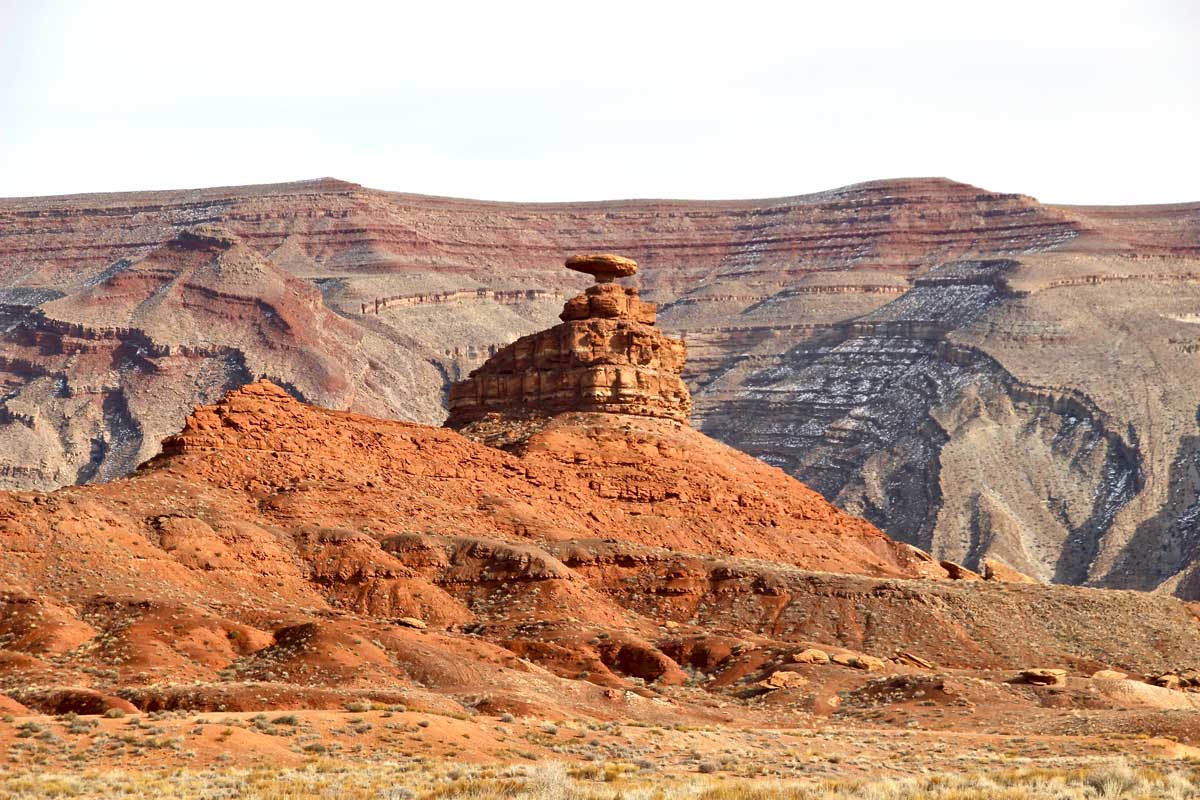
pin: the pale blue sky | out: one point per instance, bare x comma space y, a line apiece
1085, 102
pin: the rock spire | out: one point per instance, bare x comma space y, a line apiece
605, 356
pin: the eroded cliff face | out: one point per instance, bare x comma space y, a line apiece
935, 439
94, 378
976, 372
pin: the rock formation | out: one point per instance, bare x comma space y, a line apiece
605, 356
979, 374
653, 481
994, 570
280, 555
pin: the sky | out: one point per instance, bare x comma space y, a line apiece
1071, 102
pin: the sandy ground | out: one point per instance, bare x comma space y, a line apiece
290, 739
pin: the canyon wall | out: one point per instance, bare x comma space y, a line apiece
977, 373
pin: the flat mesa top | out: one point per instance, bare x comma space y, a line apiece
606, 267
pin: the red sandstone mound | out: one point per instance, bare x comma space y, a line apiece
599, 396
639, 476
273, 546
649, 481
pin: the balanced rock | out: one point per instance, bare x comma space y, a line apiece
605, 356
604, 267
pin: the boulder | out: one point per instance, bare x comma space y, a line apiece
1167, 681
604, 267
811, 656
958, 572
783, 679
995, 570
905, 657
1109, 675
869, 663
1135, 694
1041, 676
412, 622
858, 661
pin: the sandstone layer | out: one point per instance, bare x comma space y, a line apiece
979, 374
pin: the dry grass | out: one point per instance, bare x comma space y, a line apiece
347, 780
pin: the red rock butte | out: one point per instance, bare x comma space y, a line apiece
605, 356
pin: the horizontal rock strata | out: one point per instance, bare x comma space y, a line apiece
804, 344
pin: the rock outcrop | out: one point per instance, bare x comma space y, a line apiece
605, 356
647, 480
995, 570
978, 373
1041, 676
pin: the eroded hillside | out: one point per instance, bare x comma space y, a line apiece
976, 373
